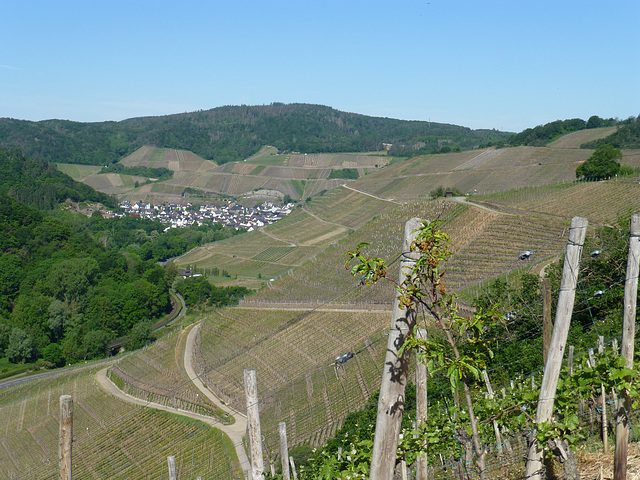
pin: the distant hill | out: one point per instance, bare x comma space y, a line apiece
233, 133
543, 134
627, 136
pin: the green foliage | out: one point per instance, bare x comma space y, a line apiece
459, 350
238, 133
603, 163
37, 182
95, 343
544, 134
75, 283
198, 291
344, 173
20, 348
146, 238
627, 136
139, 336
440, 191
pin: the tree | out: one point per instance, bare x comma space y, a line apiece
20, 346
140, 336
457, 347
603, 163
95, 342
53, 354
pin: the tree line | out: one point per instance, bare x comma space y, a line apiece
230, 133
626, 136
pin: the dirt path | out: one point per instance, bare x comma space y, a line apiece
372, 195
478, 205
235, 431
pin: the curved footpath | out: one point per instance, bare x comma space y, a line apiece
235, 431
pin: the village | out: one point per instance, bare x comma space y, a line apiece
181, 215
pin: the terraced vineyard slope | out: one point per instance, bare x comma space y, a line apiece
112, 439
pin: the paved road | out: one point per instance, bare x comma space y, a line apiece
19, 379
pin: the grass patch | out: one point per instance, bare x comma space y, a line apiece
298, 186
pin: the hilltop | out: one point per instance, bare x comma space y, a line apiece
233, 133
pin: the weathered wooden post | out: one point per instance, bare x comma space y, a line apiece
496, 429
293, 468
605, 435
284, 451
171, 461
421, 407
570, 360
253, 423
547, 326
566, 298
66, 437
628, 334
394, 375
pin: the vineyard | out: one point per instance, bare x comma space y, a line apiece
112, 439
294, 328
570, 199
325, 160
156, 374
292, 351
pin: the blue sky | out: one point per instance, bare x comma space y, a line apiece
507, 65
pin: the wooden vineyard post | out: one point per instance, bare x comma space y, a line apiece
547, 326
628, 334
394, 375
605, 439
496, 429
570, 360
284, 450
293, 468
421, 407
253, 423
566, 298
66, 437
171, 462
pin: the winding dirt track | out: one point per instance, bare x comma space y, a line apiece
235, 431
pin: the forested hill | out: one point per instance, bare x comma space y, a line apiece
38, 183
236, 132
627, 136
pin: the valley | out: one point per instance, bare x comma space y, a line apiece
307, 309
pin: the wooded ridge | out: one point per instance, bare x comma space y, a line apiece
232, 133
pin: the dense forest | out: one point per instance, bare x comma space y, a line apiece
63, 296
38, 183
70, 284
233, 133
